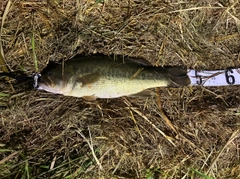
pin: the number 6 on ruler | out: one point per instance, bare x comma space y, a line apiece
229, 78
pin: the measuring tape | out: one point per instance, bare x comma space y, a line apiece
214, 78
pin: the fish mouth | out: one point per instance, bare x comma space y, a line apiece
36, 78
46, 84
42, 83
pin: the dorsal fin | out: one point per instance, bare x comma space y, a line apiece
127, 59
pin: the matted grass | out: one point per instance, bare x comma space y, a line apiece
193, 134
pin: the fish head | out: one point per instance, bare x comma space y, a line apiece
53, 81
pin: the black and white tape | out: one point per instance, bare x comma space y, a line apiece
215, 77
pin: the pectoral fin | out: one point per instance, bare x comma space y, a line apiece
89, 79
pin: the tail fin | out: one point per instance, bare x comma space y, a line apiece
178, 76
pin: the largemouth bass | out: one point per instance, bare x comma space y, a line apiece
101, 77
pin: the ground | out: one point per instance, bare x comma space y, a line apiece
189, 132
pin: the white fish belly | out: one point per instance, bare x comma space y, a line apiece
112, 89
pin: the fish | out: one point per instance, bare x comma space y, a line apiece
93, 77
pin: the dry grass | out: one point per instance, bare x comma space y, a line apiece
50, 136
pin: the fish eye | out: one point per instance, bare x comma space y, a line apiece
50, 73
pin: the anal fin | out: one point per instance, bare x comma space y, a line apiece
90, 98
144, 93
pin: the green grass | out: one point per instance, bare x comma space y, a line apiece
201, 174
34, 53
4, 94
